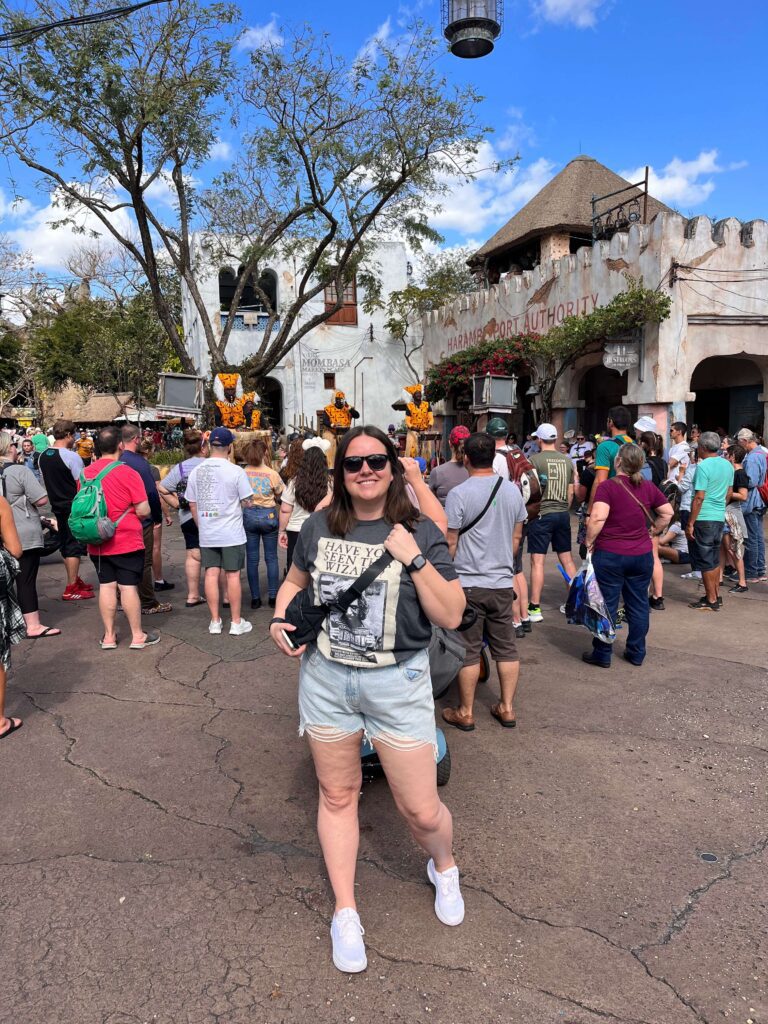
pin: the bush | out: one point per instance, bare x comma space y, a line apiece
167, 458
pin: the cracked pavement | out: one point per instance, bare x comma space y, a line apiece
160, 862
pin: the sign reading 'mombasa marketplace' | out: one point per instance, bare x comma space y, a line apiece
534, 321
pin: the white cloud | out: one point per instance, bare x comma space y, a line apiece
370, 48
485, 203
220, 150
517, 134
684, 182
261, 37
580, 13
49, 246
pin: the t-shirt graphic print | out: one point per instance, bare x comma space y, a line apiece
365, 633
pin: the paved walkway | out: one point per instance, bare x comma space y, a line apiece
160, 862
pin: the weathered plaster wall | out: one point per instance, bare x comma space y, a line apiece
708, 318
381, 369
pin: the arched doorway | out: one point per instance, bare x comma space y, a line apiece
271, 394
599, 390
727, 394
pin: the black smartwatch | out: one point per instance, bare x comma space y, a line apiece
418, 563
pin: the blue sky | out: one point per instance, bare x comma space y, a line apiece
677, 85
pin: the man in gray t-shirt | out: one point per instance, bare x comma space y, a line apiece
494, 511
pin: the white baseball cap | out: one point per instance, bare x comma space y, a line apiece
645, 424
546, 432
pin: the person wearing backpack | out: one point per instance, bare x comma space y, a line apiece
119, 560
60, 468
756, 468
617, 425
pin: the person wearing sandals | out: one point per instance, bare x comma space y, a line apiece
119, 561
172, 491
25, 495
11, 620
626, 512
368, 671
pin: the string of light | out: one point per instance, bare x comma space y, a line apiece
21, 36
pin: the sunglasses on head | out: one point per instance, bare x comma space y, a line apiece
354, 463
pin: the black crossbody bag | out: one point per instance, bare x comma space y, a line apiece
308, 617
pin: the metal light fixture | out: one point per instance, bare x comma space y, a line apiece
472, 26
634, 211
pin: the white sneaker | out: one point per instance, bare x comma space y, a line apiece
562, 609
449, 904
695, 575
347, 938
214, 626
238, 628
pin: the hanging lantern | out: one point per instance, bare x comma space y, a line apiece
472, 26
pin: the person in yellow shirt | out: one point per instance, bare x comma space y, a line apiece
337, 419
84, 446
419, 418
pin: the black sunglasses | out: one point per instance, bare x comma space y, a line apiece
354, 463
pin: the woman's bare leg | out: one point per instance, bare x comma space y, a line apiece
5, 723
337, 765
412, 778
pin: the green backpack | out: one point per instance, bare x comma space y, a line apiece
88, 520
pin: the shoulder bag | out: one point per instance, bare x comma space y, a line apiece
476, 520
651, 518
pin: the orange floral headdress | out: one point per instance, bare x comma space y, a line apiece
227, 380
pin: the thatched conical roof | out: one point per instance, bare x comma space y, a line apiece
564, 206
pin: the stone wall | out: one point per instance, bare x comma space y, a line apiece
691, 260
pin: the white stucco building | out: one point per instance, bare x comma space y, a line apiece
708, 363
352, 352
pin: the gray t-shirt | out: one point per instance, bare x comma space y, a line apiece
178, 473
387, 624
444, 478
484, 555
23, 489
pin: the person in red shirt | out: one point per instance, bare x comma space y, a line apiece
119, 561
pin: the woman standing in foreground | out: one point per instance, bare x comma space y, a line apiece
626, 514
369, 670
11, 621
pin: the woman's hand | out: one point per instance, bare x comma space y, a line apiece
276, 630
411, 470
282, 539
402, 545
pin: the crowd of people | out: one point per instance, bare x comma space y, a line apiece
388, 553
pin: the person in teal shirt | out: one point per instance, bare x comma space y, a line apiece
605, 456
712, 486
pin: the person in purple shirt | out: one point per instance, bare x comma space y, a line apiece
627, 511
444, 478
130, 440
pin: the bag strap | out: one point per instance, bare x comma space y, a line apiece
488, 504
648, 516
107, 469
347, 597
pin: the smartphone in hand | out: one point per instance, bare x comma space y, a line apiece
288, 637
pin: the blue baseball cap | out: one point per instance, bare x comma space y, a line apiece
220, 437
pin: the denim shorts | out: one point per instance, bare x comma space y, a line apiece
553, 528
392, 704
705, 547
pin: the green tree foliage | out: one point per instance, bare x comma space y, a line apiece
126, 111
105, 346
334, 153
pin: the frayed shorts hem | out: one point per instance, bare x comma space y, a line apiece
332, 734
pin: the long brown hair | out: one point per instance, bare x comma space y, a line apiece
311, 480
255, 452
295, 455
398, 507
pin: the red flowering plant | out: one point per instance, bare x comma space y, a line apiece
499, 358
